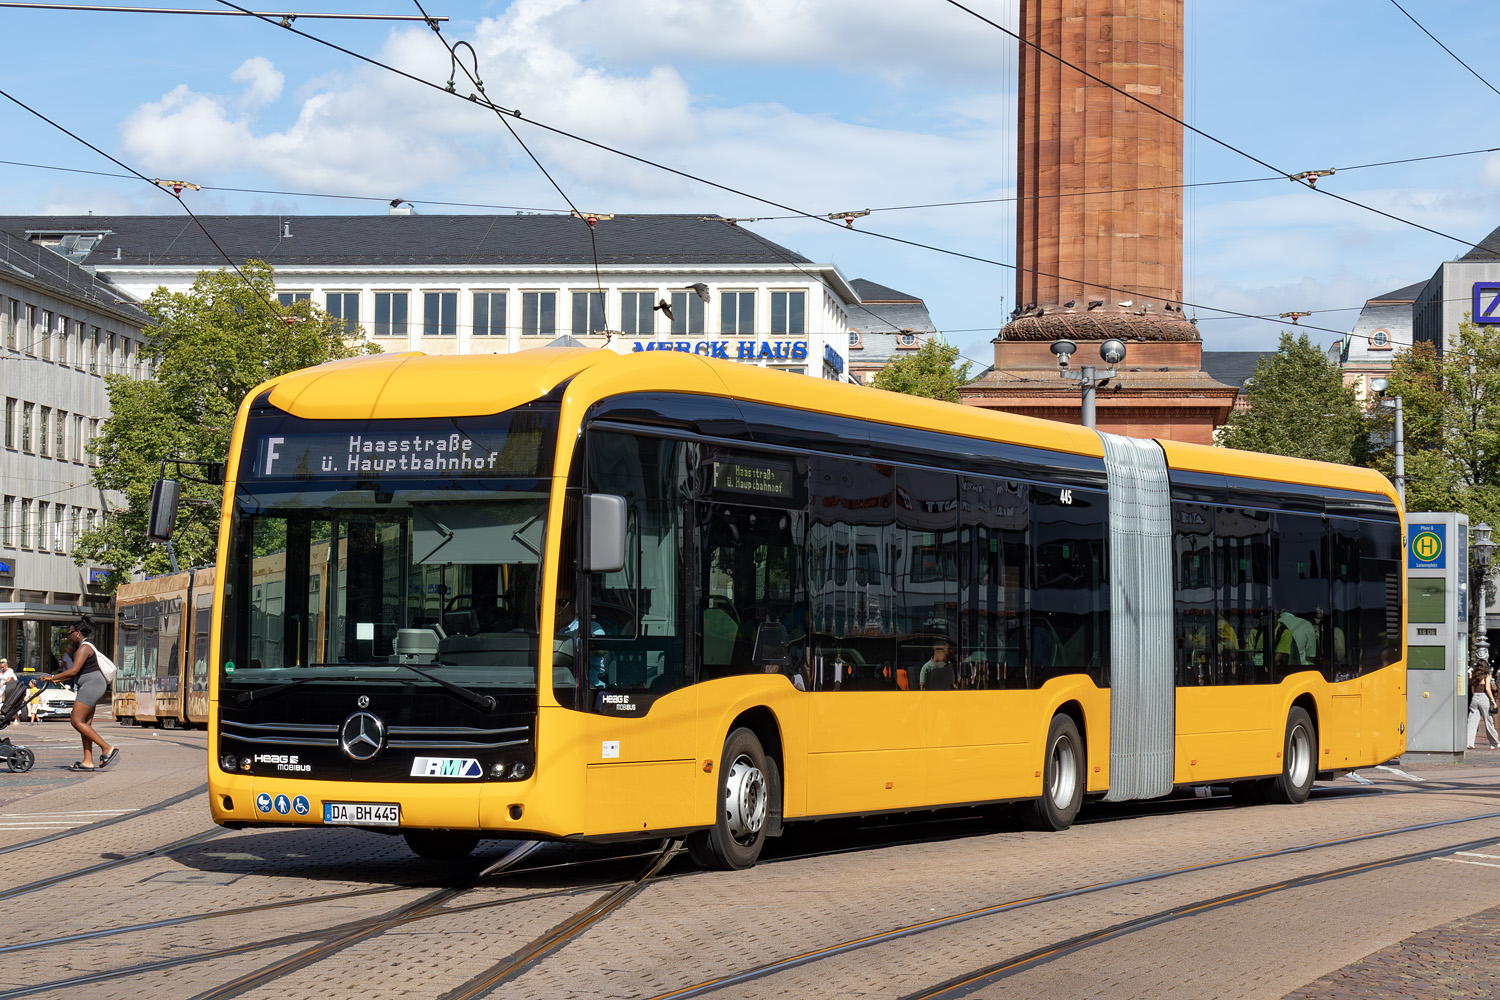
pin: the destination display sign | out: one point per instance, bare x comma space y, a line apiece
443, 454
760, 478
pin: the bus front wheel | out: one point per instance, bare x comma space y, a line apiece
441, 845
1062, 778
739, 830
1299, 761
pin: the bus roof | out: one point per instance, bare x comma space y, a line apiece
415, 384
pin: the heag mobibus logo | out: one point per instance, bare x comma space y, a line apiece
283, 762
445, 767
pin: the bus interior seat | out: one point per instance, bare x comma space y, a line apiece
720, 631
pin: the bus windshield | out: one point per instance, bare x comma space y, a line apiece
398, 571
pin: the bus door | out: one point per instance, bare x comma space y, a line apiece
867, 731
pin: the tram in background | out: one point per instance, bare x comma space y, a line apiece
162, 650
573, 594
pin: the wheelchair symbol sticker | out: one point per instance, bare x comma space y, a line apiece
283, 805
300, 805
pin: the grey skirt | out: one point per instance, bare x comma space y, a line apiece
93, 689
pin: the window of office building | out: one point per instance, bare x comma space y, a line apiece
439, 314
12, 423
43, 424
291, 298
8, 525
737, 312
788, 312
390, 314
489, 314
13, 325
26, 524
636, 314
345, 306
28, 416
588, 313
77, 454
60, 435
539, 314
687, 313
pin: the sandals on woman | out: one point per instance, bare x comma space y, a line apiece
79, 765
109, 758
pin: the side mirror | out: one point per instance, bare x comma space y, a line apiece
163, 517
603, 548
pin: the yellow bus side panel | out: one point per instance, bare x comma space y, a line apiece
1229, 731
625, 798
864, 781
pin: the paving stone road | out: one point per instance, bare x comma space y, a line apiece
212, 905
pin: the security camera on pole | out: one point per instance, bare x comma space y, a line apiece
1112, 351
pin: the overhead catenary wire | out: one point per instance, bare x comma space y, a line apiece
1200, 132
485, 102
124, 166
289, 15
1445, 48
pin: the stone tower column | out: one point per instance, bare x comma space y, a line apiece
1077, 136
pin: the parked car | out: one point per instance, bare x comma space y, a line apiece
55, 703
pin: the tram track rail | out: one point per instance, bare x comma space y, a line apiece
329, 941
110, 821
103, 866
975, 979
963, 985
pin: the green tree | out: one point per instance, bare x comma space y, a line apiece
1300, 407
208, 347
1451, 417
932, 371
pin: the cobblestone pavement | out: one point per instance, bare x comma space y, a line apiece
211, 905
1458, 959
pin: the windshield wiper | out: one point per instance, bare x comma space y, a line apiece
483, 702
246, 697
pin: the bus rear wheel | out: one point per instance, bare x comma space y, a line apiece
1062, 779
739, 831
441, 845
1299, 761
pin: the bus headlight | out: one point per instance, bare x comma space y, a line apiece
518, 770
229, 762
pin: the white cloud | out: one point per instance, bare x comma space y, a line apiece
262, 81
889, 38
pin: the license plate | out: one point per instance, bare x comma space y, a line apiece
363, 813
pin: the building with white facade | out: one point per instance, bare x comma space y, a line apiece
61, 330
469, 284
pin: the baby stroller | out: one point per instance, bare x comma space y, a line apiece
17, 758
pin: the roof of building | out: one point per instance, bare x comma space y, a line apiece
392, 240
60, 276
1406, 293
1232, 367
1488, 248
870, 291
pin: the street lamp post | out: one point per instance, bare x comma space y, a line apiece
1483, 550
1112, 351
1379, 385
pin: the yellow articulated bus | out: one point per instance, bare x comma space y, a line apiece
573, 594
162, 650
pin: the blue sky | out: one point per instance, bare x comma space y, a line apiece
822, 106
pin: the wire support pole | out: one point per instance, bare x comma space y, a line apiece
286, 15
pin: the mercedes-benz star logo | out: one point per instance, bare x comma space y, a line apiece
362, 736
363, 701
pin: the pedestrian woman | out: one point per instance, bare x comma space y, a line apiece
93, 690
1481, 703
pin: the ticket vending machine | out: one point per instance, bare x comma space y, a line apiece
1437, 633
